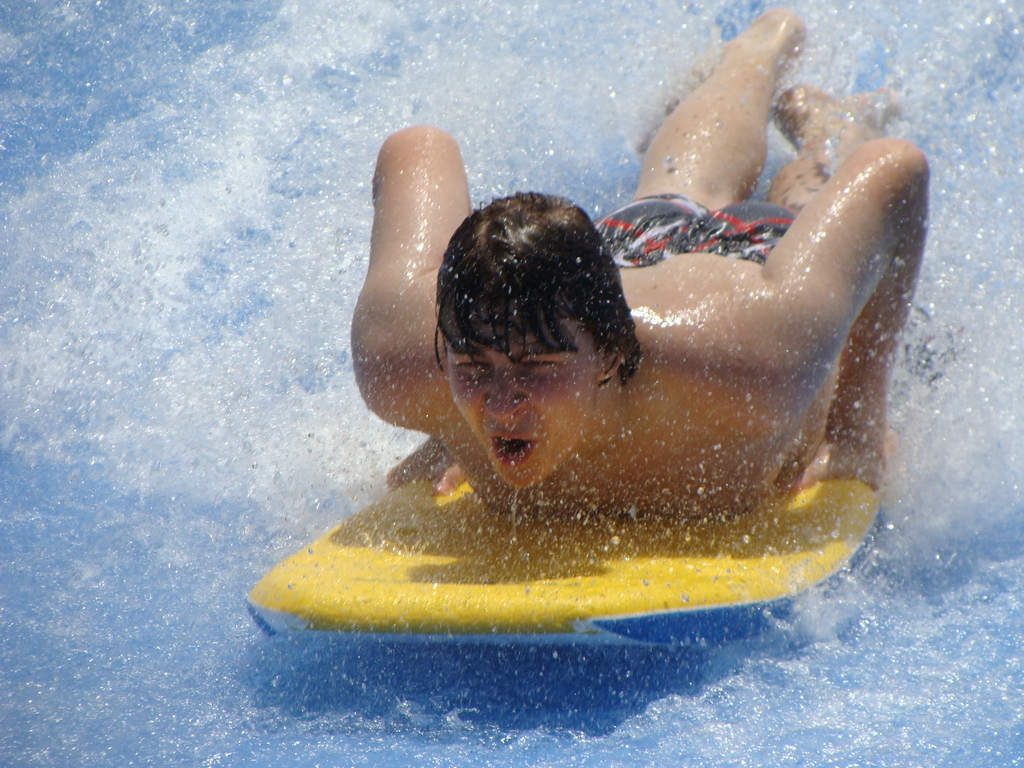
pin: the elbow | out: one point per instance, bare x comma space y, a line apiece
394, 387
373, 375
367, 375
376, 383
368, 366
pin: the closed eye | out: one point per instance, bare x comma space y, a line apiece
467, 363
548, 360
540, 365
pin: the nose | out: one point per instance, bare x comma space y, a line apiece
506, 395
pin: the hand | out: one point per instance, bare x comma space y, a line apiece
428, 462
431, 461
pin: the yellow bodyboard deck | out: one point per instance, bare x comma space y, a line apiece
416, 565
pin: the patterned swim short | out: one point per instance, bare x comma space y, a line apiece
651, 229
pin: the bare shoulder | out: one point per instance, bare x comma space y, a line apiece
420, 198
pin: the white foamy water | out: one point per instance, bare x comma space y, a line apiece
184, 221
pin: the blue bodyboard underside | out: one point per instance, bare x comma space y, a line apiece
703, 626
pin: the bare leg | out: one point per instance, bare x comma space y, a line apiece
713, 146
825, 131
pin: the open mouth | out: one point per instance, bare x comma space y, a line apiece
512, 450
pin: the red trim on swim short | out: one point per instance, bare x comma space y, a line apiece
743, 227
621, 225
655, 245
649, 245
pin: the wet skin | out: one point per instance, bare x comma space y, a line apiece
529, 411
747, 371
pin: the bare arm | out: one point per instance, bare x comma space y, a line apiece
865, 224
420, 197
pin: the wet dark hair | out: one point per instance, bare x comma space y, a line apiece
517, 269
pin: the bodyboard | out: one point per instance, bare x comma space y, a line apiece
417, 566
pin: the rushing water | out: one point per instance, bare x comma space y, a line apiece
184, 219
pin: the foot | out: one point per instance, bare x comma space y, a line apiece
816, 123
825, 131
774, 38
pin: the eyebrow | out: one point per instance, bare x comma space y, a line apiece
535, 348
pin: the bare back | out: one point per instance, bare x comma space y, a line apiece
746, 369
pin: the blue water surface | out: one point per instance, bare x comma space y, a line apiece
184, 221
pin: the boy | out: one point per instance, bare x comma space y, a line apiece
748, 355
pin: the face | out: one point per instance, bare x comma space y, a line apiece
530, 411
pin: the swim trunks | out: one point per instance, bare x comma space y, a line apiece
651, 229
